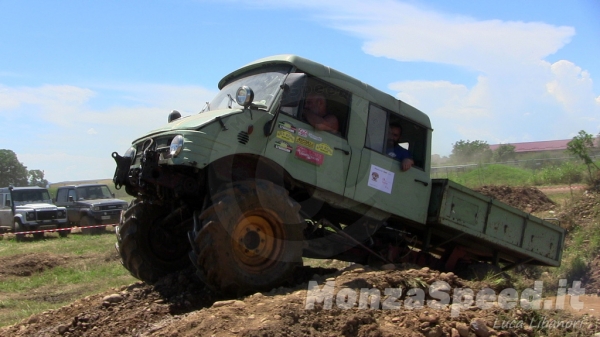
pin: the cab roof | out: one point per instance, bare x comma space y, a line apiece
339, 79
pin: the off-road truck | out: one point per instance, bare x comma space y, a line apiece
26, 209
246, 188
90, 205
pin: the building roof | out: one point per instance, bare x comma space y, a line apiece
547, 145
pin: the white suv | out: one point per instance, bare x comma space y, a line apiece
25, 209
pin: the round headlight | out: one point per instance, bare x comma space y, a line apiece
176, 146
244, 96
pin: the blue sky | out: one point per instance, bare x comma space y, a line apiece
81, 79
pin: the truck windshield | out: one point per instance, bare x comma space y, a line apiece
30, 196
93, 192
264, 82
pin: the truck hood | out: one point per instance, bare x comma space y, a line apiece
193, 122
36, 206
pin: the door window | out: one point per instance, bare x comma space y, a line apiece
384, 124
61, 196
329, 103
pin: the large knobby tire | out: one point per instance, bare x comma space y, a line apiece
150, 248
250, 239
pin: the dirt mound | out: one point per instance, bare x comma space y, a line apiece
528, 199
177, 306
28, 264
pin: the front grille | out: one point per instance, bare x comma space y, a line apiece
46, 215
243, 137
111, 208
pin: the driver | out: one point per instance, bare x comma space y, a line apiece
315, 113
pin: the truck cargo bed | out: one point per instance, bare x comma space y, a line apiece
490, 228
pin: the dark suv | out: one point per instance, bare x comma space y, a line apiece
90, 205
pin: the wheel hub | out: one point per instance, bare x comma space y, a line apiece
256, 240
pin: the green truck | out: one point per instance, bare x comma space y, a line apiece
247, 187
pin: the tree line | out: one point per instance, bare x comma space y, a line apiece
479, 151
13, 172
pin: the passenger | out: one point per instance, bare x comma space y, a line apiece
394, 150
315, 113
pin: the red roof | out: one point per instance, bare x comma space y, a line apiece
548, 145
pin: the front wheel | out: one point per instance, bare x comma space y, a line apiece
64, 233
250, 239
151, 243
87, 221
18, 227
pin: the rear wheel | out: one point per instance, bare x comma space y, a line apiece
152, 244
250, 238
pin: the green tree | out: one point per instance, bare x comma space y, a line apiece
471, 151
581, 146
36, 178
504, 152
12, 172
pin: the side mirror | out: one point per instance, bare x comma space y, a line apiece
113, 195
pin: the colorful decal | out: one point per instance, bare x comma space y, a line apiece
285, 135
305, 142
317, 138
305, 133
302, 132
324, 148
287, 126
309, 155
283, 146
381, 179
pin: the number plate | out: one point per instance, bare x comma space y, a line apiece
105, 217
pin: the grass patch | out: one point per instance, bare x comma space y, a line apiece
88, 265
494, 175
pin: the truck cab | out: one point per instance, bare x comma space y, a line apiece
30, 209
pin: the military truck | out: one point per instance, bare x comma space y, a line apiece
253, 187
90, 206
30, 209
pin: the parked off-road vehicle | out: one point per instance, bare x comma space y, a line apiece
90, 205
26, 209
247, 187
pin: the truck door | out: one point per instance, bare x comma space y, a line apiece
381, 181
62, 199
6, 214
319, 158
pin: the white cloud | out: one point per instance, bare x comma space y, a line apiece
73, 137
405, 32
571, 87
516, 89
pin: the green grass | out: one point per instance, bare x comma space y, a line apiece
494, 175
89, 265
